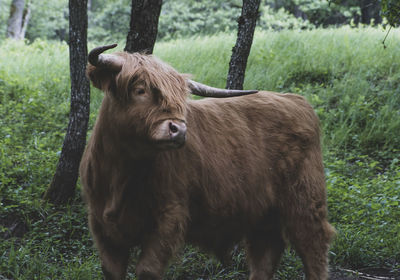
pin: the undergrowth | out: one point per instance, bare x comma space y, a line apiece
352, 82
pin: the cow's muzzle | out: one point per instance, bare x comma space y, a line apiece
169, 134
177, 132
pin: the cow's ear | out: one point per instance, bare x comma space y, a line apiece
101, 78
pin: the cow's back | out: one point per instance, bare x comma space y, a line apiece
241, 144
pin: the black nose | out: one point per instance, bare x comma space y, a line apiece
173, 128
177, 131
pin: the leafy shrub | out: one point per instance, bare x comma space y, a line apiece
177, 19
110, 23
391, 11
321, 12
364, 206
4, 14
34, 105
186, 18
49, 20
272, 19
189, 17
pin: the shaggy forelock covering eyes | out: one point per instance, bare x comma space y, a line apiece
155, 75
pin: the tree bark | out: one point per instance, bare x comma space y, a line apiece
15, 21
143, 26
25, 20
62, 187
370, 9
241, 50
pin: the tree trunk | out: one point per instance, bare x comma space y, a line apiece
144, 26
62, 187
240, 53
14, 24
25, 20
370, 9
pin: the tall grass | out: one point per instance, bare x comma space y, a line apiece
352, 82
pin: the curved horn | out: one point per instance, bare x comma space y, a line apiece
207, 91
96, 58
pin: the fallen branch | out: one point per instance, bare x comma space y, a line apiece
367, 276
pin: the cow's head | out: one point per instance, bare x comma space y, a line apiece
145, 97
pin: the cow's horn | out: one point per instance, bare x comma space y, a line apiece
207, 91
96, 58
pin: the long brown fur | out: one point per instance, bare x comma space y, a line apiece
251, 170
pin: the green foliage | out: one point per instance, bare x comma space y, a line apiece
280, 19
4, 15
49, 20
34, 108
110, 23
365, 208
56, 246
321, 12
391, 11
351, 81
189, 17
177, 19
109, 20
34, 104
193, 18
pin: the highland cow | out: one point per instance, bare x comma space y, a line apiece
161, 170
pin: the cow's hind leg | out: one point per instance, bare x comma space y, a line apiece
311, 241
310, 233
305, 216
264, 249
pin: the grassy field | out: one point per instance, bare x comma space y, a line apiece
350, 79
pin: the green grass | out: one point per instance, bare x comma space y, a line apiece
352, 82
365, 209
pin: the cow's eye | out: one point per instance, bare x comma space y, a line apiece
140, 91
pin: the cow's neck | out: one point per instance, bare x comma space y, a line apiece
118, 157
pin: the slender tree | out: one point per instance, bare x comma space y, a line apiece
370, 10
241, 50
25, 20
62, 187
18, 19
143, 26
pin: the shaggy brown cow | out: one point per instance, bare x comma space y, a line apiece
161, 170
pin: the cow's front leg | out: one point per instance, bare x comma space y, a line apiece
114, 257
162, 244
